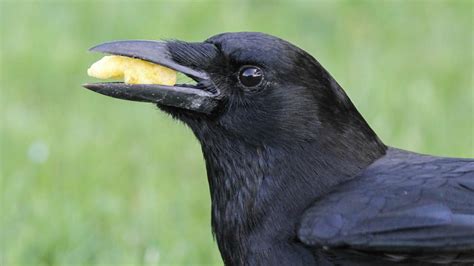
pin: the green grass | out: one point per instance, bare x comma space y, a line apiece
88, 180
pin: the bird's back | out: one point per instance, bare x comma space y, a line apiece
403, 207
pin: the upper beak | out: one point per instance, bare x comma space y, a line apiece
188, 97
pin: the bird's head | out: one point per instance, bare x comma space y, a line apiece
250, 86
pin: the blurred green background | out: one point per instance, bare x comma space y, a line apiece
89, 180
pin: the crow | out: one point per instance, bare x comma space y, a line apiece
296, 175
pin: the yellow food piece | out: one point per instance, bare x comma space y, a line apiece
133, 71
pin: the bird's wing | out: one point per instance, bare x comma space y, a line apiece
422, 206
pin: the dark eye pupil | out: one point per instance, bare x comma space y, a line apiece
250, 76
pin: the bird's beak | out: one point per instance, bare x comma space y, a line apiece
190, 97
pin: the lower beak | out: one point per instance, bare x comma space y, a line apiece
194, 98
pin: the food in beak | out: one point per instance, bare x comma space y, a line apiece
133, 71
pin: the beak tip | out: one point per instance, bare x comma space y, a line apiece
90, 86
100, 47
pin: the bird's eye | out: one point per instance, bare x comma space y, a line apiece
250, 76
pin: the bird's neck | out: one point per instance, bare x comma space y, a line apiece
259, 191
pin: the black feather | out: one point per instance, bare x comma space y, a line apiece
297, 177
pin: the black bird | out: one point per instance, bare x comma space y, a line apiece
296, 175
